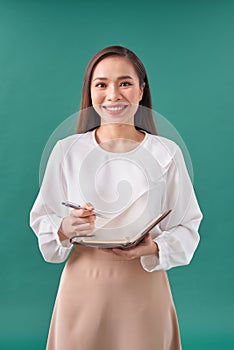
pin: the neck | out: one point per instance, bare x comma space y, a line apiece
117, 131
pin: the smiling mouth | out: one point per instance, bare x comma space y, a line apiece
115, 109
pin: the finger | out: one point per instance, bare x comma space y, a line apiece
82, 213
147, 237
82, 230
106, 250
126, 255
86, 213
81, 234
83, 227
135, 252
130, 254
82, 220
88, 206
146, 241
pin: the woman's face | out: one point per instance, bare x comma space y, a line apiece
115, 90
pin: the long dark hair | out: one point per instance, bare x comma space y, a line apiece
89, 118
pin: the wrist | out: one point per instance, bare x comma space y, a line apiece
61, 234
156, 249
62, 237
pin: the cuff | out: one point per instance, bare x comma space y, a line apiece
150, 263
66, 243
158, 261
52, 249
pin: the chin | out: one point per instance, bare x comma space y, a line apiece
120, 120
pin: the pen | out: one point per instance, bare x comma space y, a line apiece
78, 206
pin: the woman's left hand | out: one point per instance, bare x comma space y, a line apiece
146, 247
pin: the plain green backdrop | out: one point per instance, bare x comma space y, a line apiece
187, 48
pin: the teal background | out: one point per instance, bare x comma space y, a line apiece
187, 48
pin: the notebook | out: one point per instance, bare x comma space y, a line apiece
125, 242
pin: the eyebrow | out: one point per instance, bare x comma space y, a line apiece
119, 78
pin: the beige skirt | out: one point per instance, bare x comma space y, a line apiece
107, 303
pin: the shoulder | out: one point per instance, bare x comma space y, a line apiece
75, 141
69, 140
69, 146
162, 147
169, 154
163, 142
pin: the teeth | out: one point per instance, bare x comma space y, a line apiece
115, 108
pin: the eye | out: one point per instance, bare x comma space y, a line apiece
100, 85
125, 83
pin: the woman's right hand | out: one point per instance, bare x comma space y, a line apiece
79, 222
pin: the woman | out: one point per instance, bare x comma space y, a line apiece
115, 299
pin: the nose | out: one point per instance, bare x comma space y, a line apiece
113, 93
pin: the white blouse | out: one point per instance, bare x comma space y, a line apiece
153, 174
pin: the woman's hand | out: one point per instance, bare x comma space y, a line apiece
79, 222
146, 247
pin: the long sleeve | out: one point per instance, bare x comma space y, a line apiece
177, 235
47, 212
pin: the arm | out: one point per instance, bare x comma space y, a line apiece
177, 236
174, 241
47, 212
